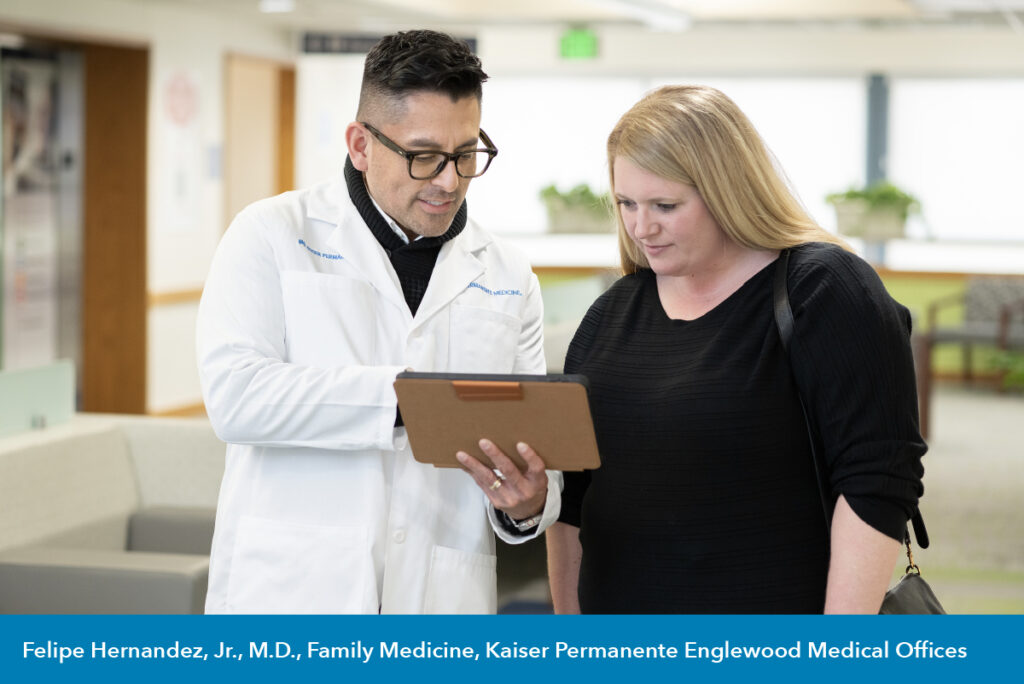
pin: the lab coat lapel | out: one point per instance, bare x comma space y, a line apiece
457, 266
353, 240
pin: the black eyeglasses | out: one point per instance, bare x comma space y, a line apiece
427, 164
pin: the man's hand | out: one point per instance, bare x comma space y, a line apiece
519, 493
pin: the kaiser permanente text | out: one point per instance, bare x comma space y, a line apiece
492, 650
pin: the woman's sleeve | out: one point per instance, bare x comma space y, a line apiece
575, 483
853, 362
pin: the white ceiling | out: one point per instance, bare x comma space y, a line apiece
384, 15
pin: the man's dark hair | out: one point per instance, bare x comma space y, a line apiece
417, 61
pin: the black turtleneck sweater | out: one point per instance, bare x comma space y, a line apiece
413, 261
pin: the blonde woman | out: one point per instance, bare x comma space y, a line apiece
706, 499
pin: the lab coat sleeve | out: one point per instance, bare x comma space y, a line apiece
252, 395
530, 350
530, 359
552, 507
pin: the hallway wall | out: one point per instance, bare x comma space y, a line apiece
184, 213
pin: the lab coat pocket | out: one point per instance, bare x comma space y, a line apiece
330, 319
482, 340
289, 568
461, 582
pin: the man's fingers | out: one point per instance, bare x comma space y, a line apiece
484, 476
514, 488
501, 462
515, 476
534, 464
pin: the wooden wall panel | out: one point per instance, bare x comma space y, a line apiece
286, 129
114, 230
250, 132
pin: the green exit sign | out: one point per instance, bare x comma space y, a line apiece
578, 43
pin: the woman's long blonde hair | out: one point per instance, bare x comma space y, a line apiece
696, 135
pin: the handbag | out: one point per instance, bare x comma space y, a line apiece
912, 594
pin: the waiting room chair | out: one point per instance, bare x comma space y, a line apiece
993, 309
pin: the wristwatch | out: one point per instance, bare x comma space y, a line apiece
524, 525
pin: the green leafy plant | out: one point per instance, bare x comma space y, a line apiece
579, 196
579, 210
1012, 363
879, 196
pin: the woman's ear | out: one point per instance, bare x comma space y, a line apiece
357, 139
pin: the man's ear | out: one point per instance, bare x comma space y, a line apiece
357, 139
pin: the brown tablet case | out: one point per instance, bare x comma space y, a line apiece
449, 412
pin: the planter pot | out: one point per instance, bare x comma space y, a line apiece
575, 219
856, 219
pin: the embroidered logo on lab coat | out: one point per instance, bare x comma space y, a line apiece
318, 253
517, 293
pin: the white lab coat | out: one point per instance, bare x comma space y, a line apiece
302, 328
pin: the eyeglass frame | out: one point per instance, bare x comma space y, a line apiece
449, 157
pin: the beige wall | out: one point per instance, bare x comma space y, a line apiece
251, 129
792, 51
185, 166
188, 200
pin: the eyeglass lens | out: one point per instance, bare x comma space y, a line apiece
468, 165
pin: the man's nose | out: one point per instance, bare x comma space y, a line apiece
448, 179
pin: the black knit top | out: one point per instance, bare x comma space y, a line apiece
413, 261
706, 500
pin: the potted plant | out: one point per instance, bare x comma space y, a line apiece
1011, 366
876, 212
580, 210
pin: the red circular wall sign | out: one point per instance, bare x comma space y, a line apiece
182, 99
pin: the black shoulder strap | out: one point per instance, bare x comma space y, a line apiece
786, 324
780, 301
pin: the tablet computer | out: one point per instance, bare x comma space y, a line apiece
449, 412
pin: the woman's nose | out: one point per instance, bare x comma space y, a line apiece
645, 224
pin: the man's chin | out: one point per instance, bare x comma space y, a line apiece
434, 226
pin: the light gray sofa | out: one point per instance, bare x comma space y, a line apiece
108, 514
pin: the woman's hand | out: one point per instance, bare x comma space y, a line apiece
519, 493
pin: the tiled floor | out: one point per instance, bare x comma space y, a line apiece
974, 501
973, 505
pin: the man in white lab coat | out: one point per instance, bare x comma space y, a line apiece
316, 299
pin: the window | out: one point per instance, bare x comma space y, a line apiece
958, 145
547, 131
814, 126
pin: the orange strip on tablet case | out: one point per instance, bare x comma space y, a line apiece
482, 390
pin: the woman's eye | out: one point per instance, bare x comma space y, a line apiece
666, 207
624, 203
